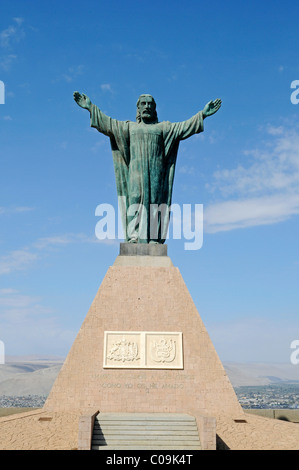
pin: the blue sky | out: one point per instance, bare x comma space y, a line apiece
244, 168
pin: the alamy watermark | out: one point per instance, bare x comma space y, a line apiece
295, 94
295, 354
186, 222
2, 353
2, 92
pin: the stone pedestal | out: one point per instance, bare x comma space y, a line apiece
142, 249
143, 347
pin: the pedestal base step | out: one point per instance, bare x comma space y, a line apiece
141, 431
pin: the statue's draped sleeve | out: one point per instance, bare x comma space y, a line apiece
173, 134
118, 132
176, 131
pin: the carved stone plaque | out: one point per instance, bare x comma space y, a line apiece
143, 349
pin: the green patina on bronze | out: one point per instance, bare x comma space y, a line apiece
144, 156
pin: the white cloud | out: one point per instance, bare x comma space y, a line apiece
60, 240
19, 20
17, 260
264, 192
72, 73
8, 38
273, 130
7, 291
274, 167
11, 298
15, 306
187, 170
13, 33
15, 210
106, 87
23, 209
24, 258
6, 61
235, 214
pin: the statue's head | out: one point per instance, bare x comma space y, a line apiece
146, 110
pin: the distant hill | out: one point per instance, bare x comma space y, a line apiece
261, 374
29, 375
35, 375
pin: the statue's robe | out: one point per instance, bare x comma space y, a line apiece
144, 157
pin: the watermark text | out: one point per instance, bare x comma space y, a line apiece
295, 94
2, 92
142, 223
295, 354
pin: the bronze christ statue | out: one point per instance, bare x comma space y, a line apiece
144, 156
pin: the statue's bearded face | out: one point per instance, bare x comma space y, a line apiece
146, 108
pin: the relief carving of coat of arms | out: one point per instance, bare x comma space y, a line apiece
123, 351
143, 350
163, 350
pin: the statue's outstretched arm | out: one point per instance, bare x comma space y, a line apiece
211, 108
98, 119
82, 100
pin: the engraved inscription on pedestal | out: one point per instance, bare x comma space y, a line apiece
143, 349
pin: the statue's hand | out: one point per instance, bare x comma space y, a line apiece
211, 108
82, 100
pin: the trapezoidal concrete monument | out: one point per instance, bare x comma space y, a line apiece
143, 348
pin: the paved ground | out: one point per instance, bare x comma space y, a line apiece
41, 430
258, 433
12, 410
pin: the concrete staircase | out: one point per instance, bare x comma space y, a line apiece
140, 431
